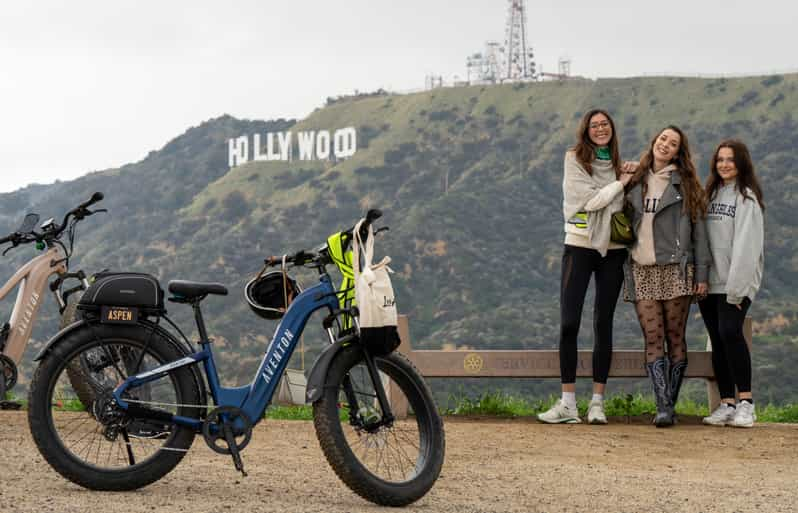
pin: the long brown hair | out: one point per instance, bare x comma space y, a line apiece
695, 202
746, 177
585, 149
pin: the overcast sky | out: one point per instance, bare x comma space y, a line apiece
90, 85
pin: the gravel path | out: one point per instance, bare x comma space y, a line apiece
491, 466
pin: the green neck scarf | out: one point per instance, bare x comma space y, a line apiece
603, 153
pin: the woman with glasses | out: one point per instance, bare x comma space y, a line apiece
593, 188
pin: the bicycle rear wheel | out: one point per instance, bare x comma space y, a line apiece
99, 446
393, 464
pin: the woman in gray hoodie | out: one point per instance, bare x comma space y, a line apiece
735, 227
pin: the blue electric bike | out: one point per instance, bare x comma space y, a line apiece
150, 397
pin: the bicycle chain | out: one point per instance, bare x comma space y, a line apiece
154, 403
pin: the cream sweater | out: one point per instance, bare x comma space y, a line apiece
599, 196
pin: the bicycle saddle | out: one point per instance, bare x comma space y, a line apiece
193, 289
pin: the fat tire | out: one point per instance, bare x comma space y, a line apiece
336, 447
76, 375
64, 461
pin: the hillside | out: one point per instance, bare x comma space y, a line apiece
470, 181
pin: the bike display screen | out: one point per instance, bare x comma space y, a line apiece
29, 223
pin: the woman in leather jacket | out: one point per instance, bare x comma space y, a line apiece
668, 262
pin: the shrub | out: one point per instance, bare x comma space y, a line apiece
772, 80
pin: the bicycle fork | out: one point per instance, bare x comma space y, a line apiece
387, 417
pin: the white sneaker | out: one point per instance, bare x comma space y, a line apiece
722, 415
560, 413
595, 413
744, 416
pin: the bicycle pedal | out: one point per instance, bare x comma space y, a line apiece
239, 465
10, 405
237, 462
231, 443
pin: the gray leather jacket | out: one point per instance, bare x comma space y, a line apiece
676, 238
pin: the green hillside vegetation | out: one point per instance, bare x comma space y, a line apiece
470, 180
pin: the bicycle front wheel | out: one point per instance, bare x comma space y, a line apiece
390, 464
75, 370
99, 445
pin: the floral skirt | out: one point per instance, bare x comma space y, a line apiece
659, 282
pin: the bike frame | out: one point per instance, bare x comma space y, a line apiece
253, 398
31, 279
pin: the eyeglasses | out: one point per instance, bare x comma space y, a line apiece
601, 124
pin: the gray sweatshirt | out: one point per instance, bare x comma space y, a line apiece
735, 227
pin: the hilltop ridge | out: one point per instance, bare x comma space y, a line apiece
470, 180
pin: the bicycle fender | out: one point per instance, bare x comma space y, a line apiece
58, 336
318, 373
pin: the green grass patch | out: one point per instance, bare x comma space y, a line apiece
303, 412
68, 405
497, 404
771, 413
501, 404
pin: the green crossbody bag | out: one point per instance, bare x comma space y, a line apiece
621, 231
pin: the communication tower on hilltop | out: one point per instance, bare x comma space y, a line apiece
519, 61
433, 82
493, 62
512, 61
487, 66
564, 67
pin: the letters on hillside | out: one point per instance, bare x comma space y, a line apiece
279, 146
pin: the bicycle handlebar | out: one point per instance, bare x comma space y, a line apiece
78, 213
303, 257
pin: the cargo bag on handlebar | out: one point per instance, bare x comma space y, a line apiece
374, 295
122, 297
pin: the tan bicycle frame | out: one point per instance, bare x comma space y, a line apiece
32, 279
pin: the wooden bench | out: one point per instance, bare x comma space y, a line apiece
541, 363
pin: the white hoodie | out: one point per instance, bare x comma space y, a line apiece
735, 226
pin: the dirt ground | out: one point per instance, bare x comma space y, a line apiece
491, 466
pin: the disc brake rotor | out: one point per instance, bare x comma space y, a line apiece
8, 372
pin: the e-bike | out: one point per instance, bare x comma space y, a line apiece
32, 278
385, 459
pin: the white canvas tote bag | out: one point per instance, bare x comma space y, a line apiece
374, 295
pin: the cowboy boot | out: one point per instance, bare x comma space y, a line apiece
658, 372
677, 372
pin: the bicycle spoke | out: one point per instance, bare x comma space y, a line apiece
84, 434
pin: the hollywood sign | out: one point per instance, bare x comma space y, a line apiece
311, 145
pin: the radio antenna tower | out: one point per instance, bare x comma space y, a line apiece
492, 65
564, 67
519, 63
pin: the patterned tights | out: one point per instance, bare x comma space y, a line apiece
661, 322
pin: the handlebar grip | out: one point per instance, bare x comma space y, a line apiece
371, 216
7, 238
97, 196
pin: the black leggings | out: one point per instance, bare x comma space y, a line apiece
731, 359
578, 264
